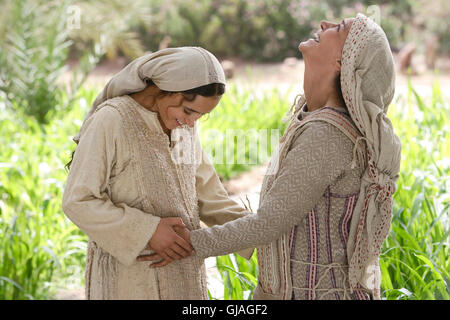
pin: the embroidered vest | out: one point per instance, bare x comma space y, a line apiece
166, 188
274, 279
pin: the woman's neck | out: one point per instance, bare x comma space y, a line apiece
146, 98
320, 96
163, 127
321, 89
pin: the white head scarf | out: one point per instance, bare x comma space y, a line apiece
171, 69
368, 83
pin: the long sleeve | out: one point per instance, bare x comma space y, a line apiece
118, 228
215, 206
313, 162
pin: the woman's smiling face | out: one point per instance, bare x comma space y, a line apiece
175, 110
325, 48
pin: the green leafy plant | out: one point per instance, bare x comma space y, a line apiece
33, 56
42, 251
239, 276
246, 117
39, 244
114, 24
415, 261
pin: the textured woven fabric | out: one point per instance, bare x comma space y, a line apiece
302, 220
368, 83
124, 178
171, 69
292, 189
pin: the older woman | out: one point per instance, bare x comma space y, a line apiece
326, 202
129, 177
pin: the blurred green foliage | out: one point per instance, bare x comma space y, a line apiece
415, 262
33, 57
40, 245
270, 30
113, 23
261, 30
42, 251
256, 29
262, 126
38, 37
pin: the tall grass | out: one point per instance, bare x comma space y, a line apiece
239, 117
39, 245
33, 57
239, 276
415, 260
43, 251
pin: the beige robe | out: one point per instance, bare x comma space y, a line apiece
123, 179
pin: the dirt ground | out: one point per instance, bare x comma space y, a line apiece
289, 73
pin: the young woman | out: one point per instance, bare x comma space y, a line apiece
326, 203
139, 170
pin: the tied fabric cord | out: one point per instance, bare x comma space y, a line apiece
343, 269
367, 96
328, 268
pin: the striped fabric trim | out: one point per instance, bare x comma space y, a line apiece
345, 219
344, 231
265, 269
292, 239
328, 239
285, 263
313, 252
270, 254
360, 294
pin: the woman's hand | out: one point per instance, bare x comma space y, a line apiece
160, 260
166, 243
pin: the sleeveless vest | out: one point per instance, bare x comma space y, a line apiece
274, 279
154, 163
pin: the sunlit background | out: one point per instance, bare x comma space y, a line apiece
55, 56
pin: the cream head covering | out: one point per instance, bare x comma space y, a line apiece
171, 69
367, 82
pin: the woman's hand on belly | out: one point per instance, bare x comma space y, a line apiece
170, 242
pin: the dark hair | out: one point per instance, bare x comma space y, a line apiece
339, 89
338, 83
209, 90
